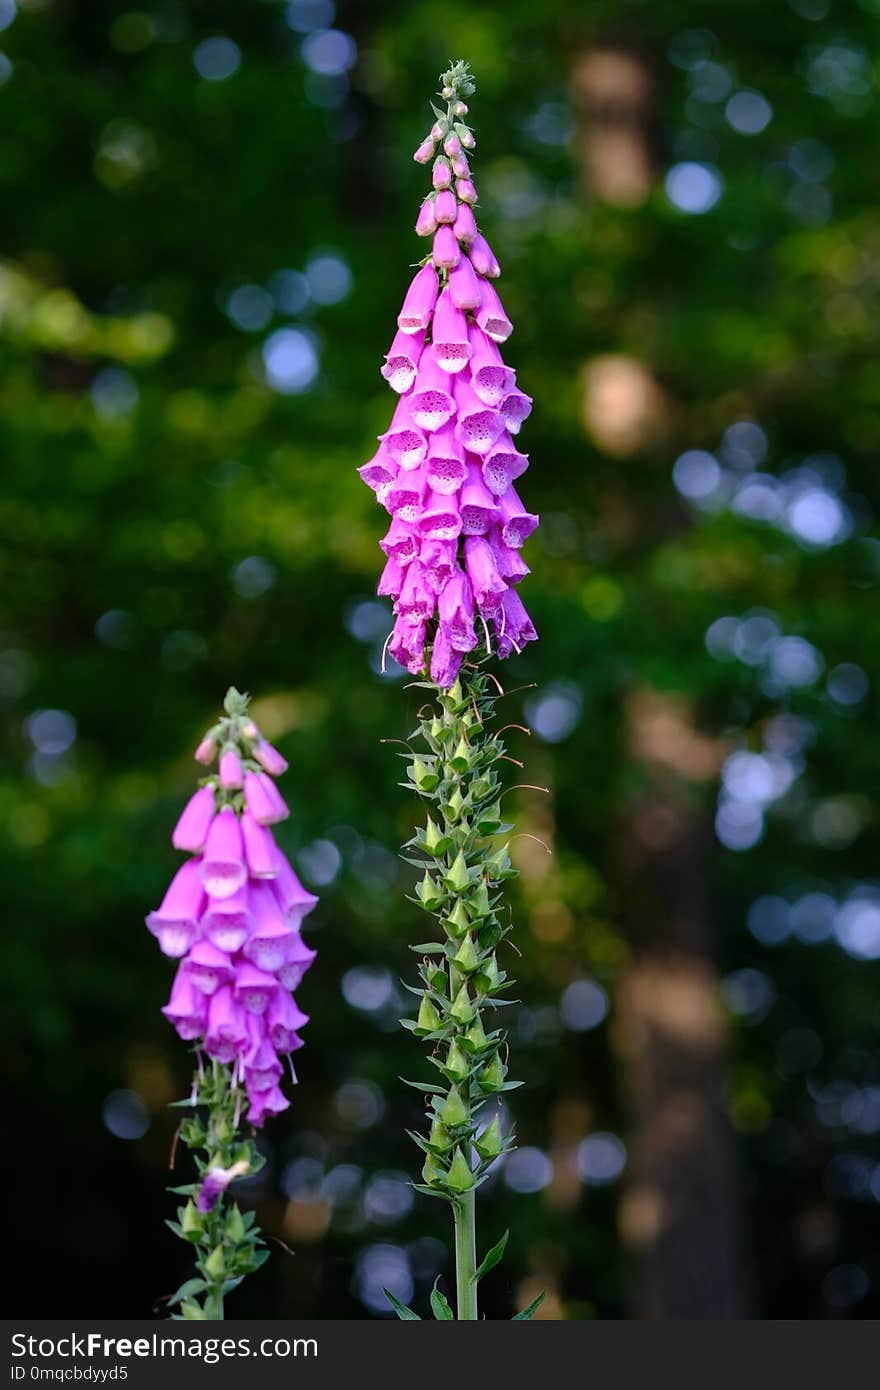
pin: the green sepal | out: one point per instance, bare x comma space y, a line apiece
453, 1111
439, 1140
215, 1265
439, 1305
458, 877
429, 948
528, 1313
429, 893
461, 759
405, 1314
456, 1065
191, 1222
489, 1144
490, 1260
491, 1078
429, 1087
489, 821
424, 776
475, 1039
462, 1009
466, 957
432, 1172
459, 1178
432, 839
429, 1019
458, 920
235, 1229
185, 1191
431, 1191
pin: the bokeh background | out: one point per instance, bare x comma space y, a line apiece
207, 229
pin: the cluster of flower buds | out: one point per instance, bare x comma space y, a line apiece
462, 981
232, 916
446, 467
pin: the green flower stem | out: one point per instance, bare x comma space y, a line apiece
455, 772
227, 1242
465, 1218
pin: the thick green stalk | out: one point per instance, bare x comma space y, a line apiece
465, 1218
456, 774
227, 1244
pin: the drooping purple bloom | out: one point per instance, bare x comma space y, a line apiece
232, 917
446, 467
192, 828
175, 924
223, 868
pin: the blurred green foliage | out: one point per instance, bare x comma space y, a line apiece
171, 524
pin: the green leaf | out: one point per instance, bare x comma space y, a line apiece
490, 1260
439, 1305
192, 1286
405, 1314
528, 1313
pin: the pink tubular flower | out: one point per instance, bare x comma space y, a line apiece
426, 222
431, 403
418, 306
449, 335
445, 660
230, 770
402, 360
491, 316
269, 758
445, 206
441, 176
456, 609
227, 922
465, 225
263, 799
192, 828
425, 152
483, 258
232, 917
226, 1035
503, 464
446, 468
445, 250
215, 1183
482, 567
206, 751
407, 644
464, 285
479, 509
187, 1009
259, 848
223, 869
176, 923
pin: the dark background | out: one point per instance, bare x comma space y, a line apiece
684, 201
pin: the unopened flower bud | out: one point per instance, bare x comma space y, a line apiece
442, 174
453, 1111
459, 1178
428, 1020
456, 1065
488, 1144
424, 153
491, 1078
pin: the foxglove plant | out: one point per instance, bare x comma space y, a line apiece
445, 471
232, 918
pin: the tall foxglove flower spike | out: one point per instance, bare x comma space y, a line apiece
453, 561
459, 404
231, 918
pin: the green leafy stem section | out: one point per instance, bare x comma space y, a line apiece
462, 989
227, 1242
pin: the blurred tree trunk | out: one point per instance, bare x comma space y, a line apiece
682, 1215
